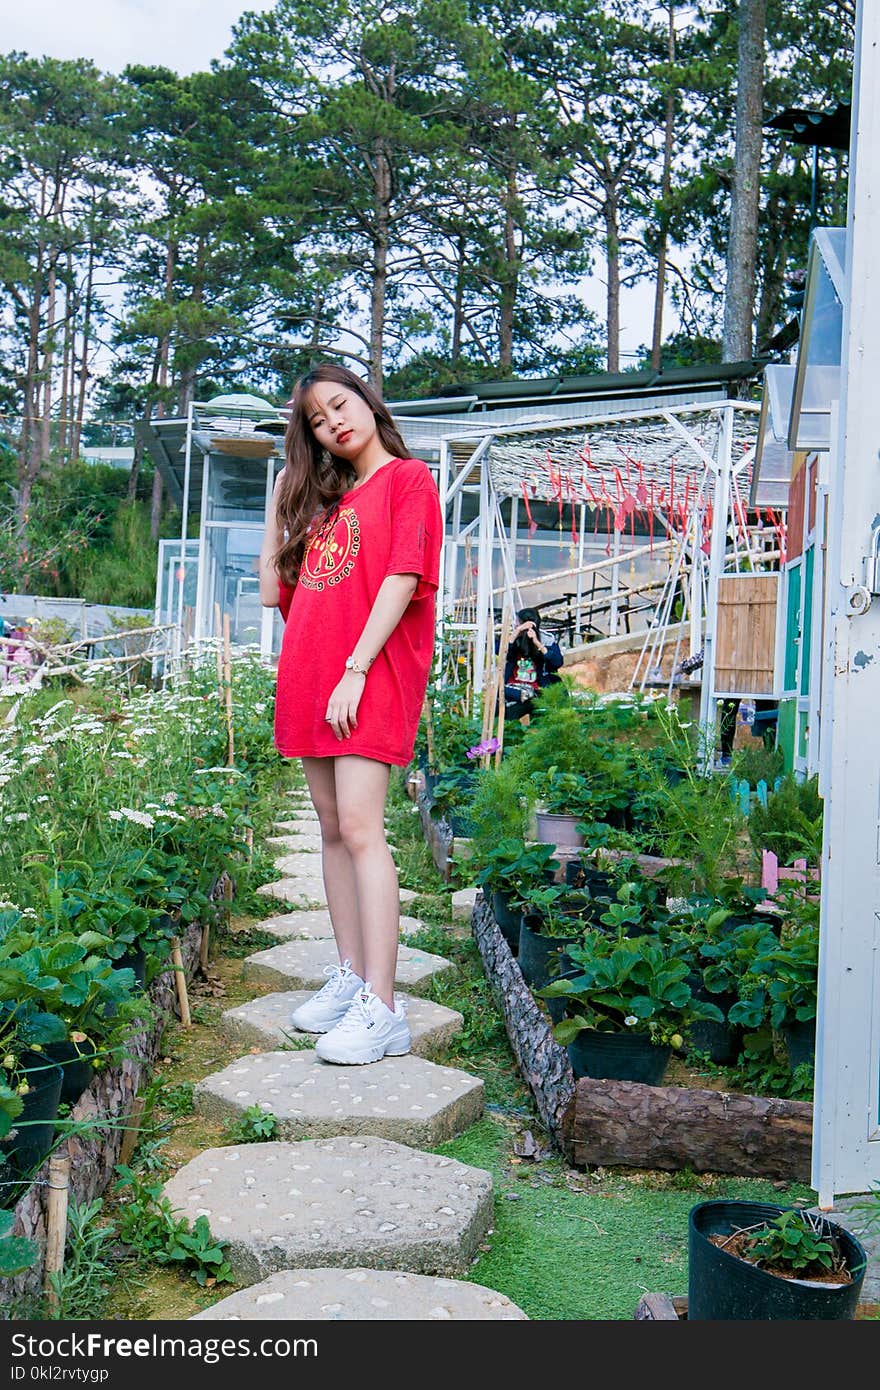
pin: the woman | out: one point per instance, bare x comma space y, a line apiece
351, 555
531, 664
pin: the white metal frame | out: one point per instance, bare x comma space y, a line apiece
846, 1130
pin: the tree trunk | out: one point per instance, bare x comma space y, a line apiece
612, 296
48, 361
86, 337
739, 297
510, 283
65, 424
675, 1127
378, 288
665, 187
458, 303
156, 506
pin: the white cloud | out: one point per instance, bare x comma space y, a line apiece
180, 34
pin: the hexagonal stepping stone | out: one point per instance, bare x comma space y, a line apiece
265, 1022
296, 844
348, 1295
296, 891
347, 1202
304, 825
463, 903
407, 895
314, 925
408, 1099
300, 965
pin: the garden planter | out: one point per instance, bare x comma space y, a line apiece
136, 961
559, 830
536, 951
618, 1057
723, 1287
460, 823
721, 1042
34, 1127
800, 1042
75, 1060
590, 880
508, 921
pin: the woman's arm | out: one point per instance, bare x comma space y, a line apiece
389, 606
273, 539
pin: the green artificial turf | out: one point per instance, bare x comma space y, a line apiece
568, 1244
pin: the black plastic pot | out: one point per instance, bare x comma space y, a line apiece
618, 1056
592, 881
800, 1042
75, 1060
508, 921
34, 1129
460, 824
721, 1042
136, 961
536, 952
722, 1287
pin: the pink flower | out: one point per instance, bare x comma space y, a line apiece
479, 749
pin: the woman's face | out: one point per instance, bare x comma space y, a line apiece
339, 418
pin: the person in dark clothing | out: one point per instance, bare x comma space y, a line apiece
531, 664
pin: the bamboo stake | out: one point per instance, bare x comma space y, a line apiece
502, 702
180, 980
498, 684
429, 732
132, 1129
203, 947
56, 1222
249, 840
227, 677
488, 706
217, 627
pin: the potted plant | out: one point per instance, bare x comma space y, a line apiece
755, 1260
779, 990
508, 872
451, 798
553, 918
628, 1004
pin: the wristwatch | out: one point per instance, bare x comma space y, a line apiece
351, 664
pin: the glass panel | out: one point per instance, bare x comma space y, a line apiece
170, 575
792, 625
818, 366
236, 489
807, 629
232, 554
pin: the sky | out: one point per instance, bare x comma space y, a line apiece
185, 35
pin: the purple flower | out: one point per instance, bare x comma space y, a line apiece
479, 749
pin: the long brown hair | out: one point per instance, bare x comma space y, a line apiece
315, 479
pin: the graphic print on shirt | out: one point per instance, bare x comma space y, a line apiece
525, 673
331, 552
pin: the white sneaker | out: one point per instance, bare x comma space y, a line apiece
368, 1032
331, 1003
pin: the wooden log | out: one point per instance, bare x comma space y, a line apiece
132, 1129
658, 1307
543, 1064
180, 981
675, 1127
56, 1222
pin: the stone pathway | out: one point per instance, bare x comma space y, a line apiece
265, 1022
315, 925
300, 965
345, 1202
344, 1216
364, 1295
407, 1099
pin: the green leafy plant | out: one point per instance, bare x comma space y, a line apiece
255, 1127
798, 1242
177, 1100
149, 1224
515, 868
791, 823
82, 1286
16, 1253
627, 983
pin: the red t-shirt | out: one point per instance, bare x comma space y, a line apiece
391, 524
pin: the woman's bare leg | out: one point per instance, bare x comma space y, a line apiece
336, 863
361, 790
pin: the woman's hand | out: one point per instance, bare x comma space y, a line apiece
343, 704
